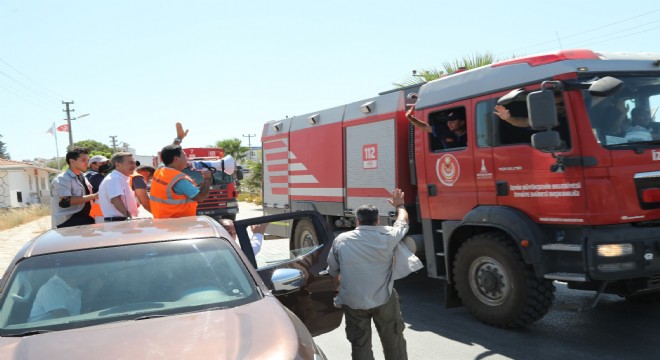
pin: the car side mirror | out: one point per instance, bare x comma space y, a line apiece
287, 280
542, 110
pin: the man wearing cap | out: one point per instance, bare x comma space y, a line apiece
456, 137
98, 165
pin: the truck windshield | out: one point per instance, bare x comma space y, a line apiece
220, 177
628, 118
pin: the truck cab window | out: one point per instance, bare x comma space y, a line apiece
518, 130
449, 129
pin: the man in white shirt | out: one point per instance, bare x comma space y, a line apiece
115, 194
256, 239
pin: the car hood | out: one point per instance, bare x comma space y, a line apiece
260, 330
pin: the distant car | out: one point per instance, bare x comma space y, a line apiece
157, 288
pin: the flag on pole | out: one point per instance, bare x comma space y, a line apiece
64, 128
50, 130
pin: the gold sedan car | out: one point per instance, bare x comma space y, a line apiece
167, 288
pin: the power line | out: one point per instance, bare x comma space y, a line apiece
579, 33
24, 99
29, 90
58, 96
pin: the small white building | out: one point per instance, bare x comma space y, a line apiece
23, 184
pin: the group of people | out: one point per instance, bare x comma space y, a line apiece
81, 198
96, 196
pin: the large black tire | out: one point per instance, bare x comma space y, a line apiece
496, 285
304, 235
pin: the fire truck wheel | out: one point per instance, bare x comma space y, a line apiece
496, 285
304, 236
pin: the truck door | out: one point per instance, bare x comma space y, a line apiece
523, 174
449, 183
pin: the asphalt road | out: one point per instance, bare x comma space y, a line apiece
614, 329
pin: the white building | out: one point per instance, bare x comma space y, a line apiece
23, 184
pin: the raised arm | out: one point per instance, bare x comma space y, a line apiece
422, 125
505, 115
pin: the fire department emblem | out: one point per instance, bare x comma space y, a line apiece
447, 169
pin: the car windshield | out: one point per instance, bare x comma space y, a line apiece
628, 118
88, 287
219, 176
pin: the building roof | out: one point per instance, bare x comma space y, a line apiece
17, 165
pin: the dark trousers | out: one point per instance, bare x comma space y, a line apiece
76, 220
389, 324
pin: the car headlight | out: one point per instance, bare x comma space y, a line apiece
612, 250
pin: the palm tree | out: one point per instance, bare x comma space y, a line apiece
465, 63
233, 147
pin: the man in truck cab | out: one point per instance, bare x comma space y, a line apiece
517, 117
450, 130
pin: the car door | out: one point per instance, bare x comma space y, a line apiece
312, 298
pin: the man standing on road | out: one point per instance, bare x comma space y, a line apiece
71, 193
115, 195
364, 259
173, 193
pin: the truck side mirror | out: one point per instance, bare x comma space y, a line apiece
239, 173
547, 141
541, 110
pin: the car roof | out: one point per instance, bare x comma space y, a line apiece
135, 231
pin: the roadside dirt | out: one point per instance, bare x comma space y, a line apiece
12, 240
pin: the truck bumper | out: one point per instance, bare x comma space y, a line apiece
623, 252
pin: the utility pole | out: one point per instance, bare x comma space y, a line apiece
250, 144
114, 143
68, 121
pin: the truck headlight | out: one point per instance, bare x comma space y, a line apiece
612, 250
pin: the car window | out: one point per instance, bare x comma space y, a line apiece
276, 250
82, 288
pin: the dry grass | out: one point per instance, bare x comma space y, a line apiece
10, 218
253, 198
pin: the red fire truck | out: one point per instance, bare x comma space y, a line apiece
222, 199
571, 193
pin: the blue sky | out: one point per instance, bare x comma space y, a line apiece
225, 68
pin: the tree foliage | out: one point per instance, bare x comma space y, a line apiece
95, 147
3, 150
467, 62
252, 183
233, 147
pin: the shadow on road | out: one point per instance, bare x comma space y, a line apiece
615, 329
